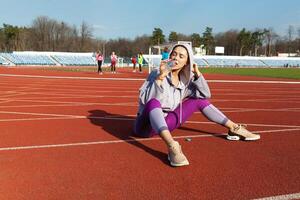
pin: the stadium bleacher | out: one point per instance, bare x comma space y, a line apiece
281, 62
153, 61
2, 60
26, 59
231, 62
71, 60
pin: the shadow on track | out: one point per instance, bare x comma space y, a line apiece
121, 127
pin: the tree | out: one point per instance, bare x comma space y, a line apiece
256, 40
269, 36
290, 36
244, 39
25, 38
298, 42
173, 37
40, 32
208, 40
157, 37
196, 40
85, 35
11, 35
228, 40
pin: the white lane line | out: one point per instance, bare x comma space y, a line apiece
64, 102
127, 104
282, 197
5, 101
142, 79
267, 82
115, 117
36, 119
73, 77
75, 104
262, 125
42, 114
124, 141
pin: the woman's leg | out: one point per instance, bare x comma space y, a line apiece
114, 67
151, 122
235, 131
189, 106
100, 66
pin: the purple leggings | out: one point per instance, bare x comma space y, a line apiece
189, 106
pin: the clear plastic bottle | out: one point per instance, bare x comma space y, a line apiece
170, 64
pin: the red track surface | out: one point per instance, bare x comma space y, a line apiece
37, 113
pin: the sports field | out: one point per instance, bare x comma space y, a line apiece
67, 135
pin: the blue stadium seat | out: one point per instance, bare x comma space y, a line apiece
76, 60
26, 59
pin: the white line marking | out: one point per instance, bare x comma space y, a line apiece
124, 141
74, 77
35, 119
282, 197
116, 117
268, 82
75, 104
263, 125
142, 79
42, 114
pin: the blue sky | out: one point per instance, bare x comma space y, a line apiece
112, 19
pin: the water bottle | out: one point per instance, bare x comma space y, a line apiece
170, 64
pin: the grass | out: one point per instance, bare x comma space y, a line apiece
289, 73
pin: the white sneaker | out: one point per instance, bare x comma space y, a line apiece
241, 133
176, 157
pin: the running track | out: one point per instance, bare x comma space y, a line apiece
66, 135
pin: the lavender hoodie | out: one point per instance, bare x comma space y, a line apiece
171, 96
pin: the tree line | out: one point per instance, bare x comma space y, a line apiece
46, 34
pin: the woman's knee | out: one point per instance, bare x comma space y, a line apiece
202, 103
154, 103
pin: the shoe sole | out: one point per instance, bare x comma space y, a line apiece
235, 138
178, 164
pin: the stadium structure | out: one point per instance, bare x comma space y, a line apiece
35, 58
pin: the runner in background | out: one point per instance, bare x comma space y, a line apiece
133, 61
140, 61
99, 59
113, 62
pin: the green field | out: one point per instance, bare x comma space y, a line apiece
290, 73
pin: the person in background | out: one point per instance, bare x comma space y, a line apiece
133, 61
140, 61
169, 97
99, 59
165, 54
113, 62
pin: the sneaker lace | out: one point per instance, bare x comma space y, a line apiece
176, 149
239, 126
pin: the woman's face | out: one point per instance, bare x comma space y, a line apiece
180, 55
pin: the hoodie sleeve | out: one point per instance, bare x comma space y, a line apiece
150, 89
201, 88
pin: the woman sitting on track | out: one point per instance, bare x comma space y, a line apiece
170, 96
